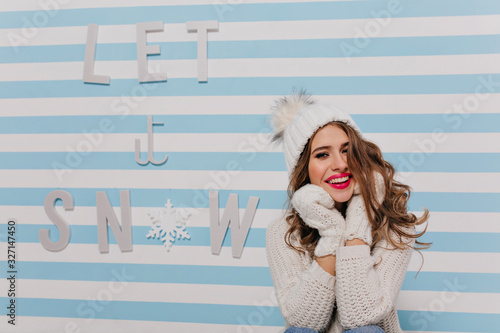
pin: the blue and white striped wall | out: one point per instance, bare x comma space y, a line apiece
425, 87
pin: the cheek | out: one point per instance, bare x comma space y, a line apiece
315, 173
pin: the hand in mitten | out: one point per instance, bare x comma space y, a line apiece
358, 226
317, 208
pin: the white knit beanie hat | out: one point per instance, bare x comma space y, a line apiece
297, 117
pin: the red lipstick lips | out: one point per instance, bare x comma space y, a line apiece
340, 186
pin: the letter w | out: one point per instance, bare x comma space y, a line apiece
239, 231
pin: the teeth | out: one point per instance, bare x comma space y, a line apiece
338, 180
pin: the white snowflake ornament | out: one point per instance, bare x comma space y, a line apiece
168, 224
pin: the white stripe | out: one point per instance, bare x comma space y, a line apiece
461, 222
451, 181
129, 290
88, 216
125, 142
170, 105
358, 104
452, 298
457, 262
422, 145
224, 180
267, 30
463, 262
159, 179
49, 324
276, 67
438, 221
142, 254
76, 4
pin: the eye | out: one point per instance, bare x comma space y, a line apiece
320, 155
344, 151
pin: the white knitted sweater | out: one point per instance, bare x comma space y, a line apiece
361, 293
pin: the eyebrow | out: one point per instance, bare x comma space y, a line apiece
329, 147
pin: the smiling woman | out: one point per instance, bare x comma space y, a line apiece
339, 254
328, 164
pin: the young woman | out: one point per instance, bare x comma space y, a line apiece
339, 255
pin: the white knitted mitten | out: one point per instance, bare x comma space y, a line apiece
358, 225
317, 208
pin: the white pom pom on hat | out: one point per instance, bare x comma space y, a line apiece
297, 117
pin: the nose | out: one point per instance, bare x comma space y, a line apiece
338, 163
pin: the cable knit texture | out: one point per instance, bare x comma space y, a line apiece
316, 208
361, 293
358, 225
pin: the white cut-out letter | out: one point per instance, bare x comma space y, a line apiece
202, 27
106, 215
143, 50
53, 215
88, 64
239, 231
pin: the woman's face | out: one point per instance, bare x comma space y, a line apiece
328, 164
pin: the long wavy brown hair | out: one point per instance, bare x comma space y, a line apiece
363, 157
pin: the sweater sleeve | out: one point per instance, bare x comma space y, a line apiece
366, 293
305, 292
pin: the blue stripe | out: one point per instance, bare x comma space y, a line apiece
84, 234
143, 198
236, 314
434, 201
312, 48
200, 236
444, 281
421, 161
377, 123
150, 311
433, 319
455, 202
340, 85
245, 161
469, 241
227, 275
247, 12
196, 274
136, 124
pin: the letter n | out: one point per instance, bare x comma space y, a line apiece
106, 215
239, 231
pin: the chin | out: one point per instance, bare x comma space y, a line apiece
341, 198
338, 196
